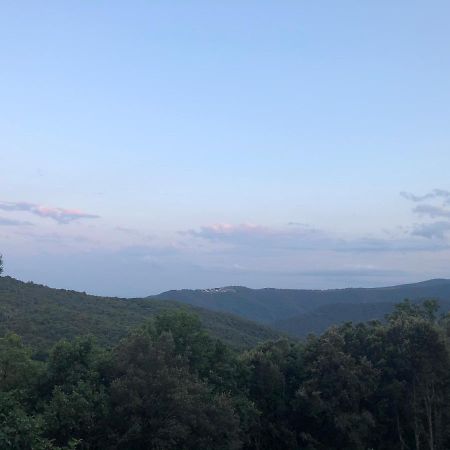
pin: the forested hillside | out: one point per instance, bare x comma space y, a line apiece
301, 312
42, 316
319, 319
169, 385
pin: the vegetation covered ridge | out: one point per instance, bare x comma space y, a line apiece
303, 311
43, 315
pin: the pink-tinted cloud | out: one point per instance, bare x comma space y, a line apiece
60, 215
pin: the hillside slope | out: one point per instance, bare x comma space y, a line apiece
42, 316
323, 317
273, 305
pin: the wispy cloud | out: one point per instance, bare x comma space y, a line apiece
60, 215
435, 193
351, 272
245, 235
343, 272
414, 243
437, 206
4, 221
432, 211
434, 230
134, 233
266, 239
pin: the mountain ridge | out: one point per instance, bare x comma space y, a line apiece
241, 316
43, 315
280, 308
429, 282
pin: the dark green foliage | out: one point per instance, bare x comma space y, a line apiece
18, 429
17, 369
334, 396
42, 316
323, 317
275, 374
158, 403
190, 340
76, 402
416, 375
170, 385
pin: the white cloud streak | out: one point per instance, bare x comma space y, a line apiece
59, 215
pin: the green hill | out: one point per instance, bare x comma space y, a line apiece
323, 317
270, 305
301, 311
42, 316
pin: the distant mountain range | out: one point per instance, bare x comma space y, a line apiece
302, 311
240, 316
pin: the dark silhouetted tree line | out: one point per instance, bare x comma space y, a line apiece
169, 386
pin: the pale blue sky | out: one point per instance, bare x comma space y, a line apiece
243, 142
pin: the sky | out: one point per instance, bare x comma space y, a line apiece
154, 145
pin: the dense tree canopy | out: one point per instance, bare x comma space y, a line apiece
169, 385
42, 316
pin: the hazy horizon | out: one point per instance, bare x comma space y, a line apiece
237, 286
158, 146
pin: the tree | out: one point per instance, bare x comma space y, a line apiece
334, 398
19, 430
416, 379
17, 369
190, 339
157, 403
1, 264
77, 403
275, 372
379, 385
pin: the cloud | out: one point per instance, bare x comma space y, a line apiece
432, 211
298, 224
60, 215
414, 243
12, 222
60, 239
248, 235
351, 272
435, 193
134, 233
345, 272
435, 230
260, 240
